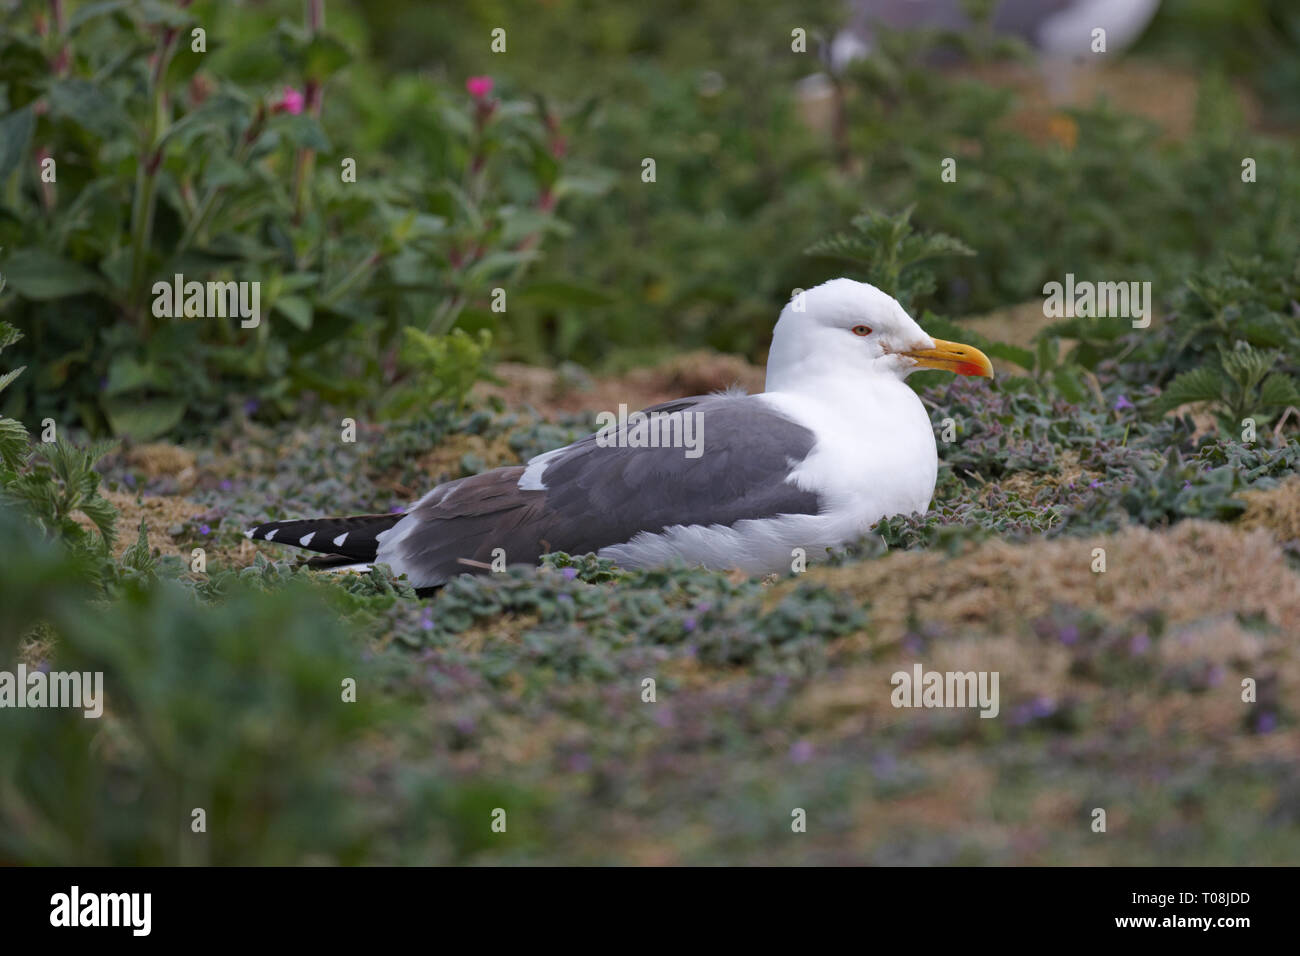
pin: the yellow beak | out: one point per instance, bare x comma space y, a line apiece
953, 357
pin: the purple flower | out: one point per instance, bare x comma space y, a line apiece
1094, 483
801, 751
1069, 634
1140, 643
204, 529
426, 620
251, 406
1122, 403
688, 624
1267, 722
569, 573
579, 763
225, 484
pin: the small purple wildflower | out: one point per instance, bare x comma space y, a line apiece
225, 484
1140, 644
801, 751
204, 529
579, 763
1123, 403
1267, 722
1094, 483
569, 573
884, 764
688, 624
251, 406
1069, 634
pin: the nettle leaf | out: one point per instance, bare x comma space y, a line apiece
8, 377
8, 334
143, 419
1247, 366
13, 442
15, 136
324, 56
1199, 385
296, 309
139, 556
165, 14
303, 131
88, 106
41, 275
1279, 390
90, 11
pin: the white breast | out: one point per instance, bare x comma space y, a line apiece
874, 456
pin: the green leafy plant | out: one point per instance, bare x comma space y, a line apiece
53, 481
1244, 383
888, 250
13, 434
441, 368
229, 165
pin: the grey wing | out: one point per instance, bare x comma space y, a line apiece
592, 494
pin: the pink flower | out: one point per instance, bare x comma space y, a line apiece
479, 86
291, 101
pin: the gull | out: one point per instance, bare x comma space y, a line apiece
837, 441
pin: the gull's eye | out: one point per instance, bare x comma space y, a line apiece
861, 330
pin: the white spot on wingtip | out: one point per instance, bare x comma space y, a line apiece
271, 534
249, 532
306, 539
338, 542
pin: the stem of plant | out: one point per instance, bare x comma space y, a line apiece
351, 279
306, 160
146, 178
